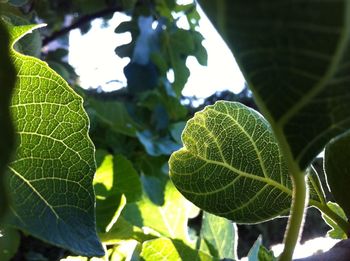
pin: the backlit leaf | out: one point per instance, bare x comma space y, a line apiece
336, 232
220, 236
164, 249
231, 165
294, 56
51, 176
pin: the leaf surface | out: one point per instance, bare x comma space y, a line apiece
336, 232
220, 236
51, 176
337, 166
164, 249
294, 56
231, 165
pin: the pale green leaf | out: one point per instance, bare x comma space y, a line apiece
7, 82
259, 253
336, 232
165, 249
169, 220
294, 56
231, 165
124, 251
51, 175
220, 236
337, 167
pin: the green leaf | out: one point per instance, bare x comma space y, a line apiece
337, 168
294, 56
220, 236
124, 251
9, 243
259, 253
166, 249
51, 175
7, 82
336, 232
169, 220
231, 165
114, 116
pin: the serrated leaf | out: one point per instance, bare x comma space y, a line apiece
220, 236
163, 249
51, 176
294, 56
231, 165
169, 220
7, 81
337, 167
336, 232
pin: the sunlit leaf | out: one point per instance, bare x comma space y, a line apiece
51, 176
167, 249
231, 165
220, 236
336, 232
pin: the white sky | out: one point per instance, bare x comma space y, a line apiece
94, 59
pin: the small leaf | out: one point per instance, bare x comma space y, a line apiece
7, 82
336, 232
166, 249
51, 175
125, 250
259, 253
337, 168
294, 56
220, 236
231, 165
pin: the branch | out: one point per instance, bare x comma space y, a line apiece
81, 21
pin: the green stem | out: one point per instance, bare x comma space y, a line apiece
345, 226
297, 215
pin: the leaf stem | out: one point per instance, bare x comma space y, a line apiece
297, 215
345, 226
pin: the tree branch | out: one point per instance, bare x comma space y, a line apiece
81, 21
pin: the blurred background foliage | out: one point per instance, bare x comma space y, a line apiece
135, 128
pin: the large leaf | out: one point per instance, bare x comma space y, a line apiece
51, 176
7, 82
337, 167
220, 236
163, 249
294, 55
231, 165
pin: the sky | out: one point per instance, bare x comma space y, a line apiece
95, 61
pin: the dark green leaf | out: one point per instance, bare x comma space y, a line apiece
231, 165
259, 253
51, 176
336, 232
294, 56
7, 82
220, 236
337, 167
9, 243
166, 249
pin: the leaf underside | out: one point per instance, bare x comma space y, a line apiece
294, 56
231, 165
51, 175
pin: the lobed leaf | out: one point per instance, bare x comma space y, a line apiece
294, 55
336, 232
51, 175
